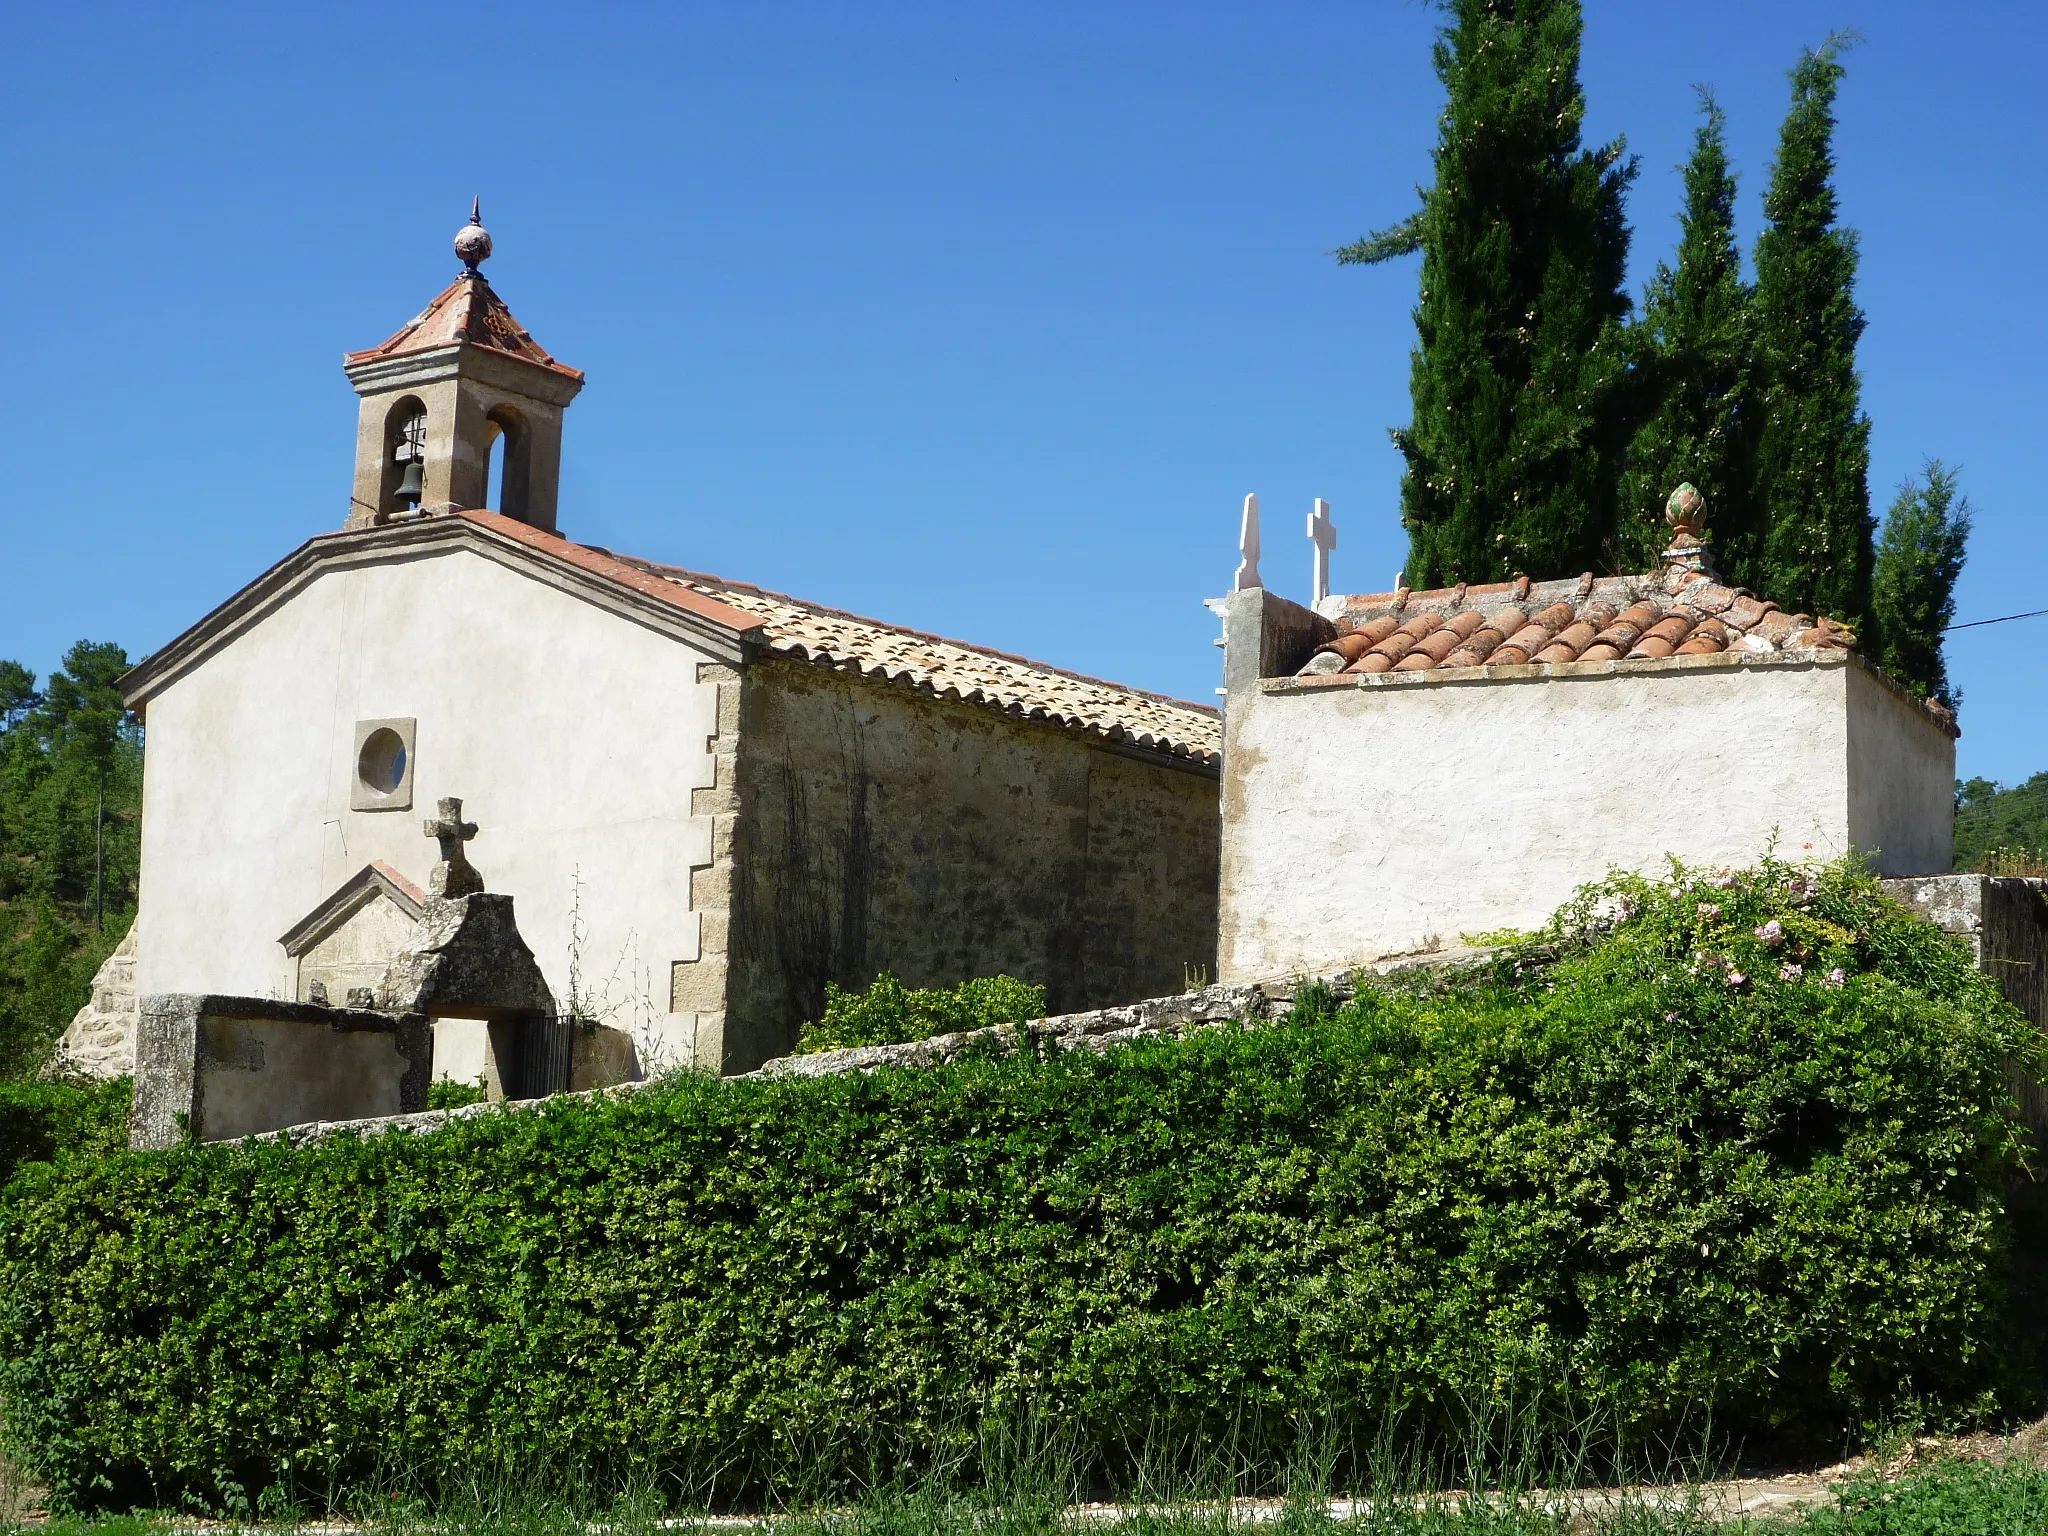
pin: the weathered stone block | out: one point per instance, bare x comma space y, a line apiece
223, 1067
466, 958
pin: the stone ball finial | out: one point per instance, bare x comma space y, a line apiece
1686, 511
473, 241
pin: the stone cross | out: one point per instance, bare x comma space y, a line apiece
1248, 548
454, 875
1323, 534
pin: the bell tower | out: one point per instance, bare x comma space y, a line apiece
463, 380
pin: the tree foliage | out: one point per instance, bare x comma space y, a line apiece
1814, 452
1913, 587
1699, 385
61, 748
1744, 1140
1519, 373
1991, 820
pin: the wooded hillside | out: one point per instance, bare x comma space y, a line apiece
70, 809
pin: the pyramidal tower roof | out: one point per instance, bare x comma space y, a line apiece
467, 313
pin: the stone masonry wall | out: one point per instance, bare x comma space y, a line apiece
878, 829
2005, 920
100, 1040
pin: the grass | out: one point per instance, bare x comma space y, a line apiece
1946, 1498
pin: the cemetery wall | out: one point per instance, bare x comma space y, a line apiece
1413, 809
880, 830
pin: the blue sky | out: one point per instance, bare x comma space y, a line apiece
978, 318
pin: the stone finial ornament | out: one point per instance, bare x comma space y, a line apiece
473, 241
1686, 511
454, 875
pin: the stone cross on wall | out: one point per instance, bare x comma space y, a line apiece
454, 875
1323, 534
1248, 548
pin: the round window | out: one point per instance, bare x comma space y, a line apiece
382, 764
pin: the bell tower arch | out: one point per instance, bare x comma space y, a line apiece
463, 377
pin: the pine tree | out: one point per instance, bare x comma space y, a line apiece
68, 752
1913, 590
1519, 375
1696, 378
1814, 454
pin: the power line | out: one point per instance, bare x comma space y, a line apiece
1980, 623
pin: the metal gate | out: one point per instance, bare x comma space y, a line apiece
546, 1046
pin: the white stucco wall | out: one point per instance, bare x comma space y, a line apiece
1902, 780
1381, 814
574, 737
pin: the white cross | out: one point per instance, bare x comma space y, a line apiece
1248, 548
1323, 534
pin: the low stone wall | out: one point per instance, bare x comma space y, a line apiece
1095, 1030
2005, 920
218, 1068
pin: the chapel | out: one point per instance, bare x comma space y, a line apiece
708, 799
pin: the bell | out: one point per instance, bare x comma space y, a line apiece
410, 486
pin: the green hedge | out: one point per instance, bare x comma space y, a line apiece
889, 1013
1648, 1174
41, 1121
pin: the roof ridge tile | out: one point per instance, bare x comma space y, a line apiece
1651, 616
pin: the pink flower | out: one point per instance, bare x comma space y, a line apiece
1834, 978
1708, 911
1737, 979
1670, 1018
1772, 932
1791, 972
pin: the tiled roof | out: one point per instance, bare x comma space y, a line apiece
467, 312
931, 664
1676, 612
971, 673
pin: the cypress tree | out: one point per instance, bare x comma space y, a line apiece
1519, 374
1696, 377
1913, 596
1813, 457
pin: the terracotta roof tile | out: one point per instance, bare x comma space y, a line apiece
1673, 612
971, 673
931, 664
466, 312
